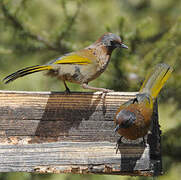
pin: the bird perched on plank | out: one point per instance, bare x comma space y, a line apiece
79, 67
133, 118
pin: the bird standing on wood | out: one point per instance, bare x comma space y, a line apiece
79, 67
133, 118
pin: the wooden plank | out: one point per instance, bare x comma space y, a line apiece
54, 132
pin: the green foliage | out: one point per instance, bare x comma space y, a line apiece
34, 32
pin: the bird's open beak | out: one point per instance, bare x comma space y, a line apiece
116, 129
124, 46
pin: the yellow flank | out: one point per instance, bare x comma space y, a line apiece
156, 79
73, 59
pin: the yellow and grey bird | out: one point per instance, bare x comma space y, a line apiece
79, 67
133, 118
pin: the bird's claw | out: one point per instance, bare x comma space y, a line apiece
67, 91
107, 90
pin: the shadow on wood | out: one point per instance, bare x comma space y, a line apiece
63, 115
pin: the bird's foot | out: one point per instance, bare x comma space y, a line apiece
104, 90
143, 142
67, 91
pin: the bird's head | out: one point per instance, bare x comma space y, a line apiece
112, 41
124, 119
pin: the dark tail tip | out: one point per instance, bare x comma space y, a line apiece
20, 73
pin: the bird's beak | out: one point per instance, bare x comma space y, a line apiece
123, 46
116, 129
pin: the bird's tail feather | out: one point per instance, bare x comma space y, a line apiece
155, 79
26, 71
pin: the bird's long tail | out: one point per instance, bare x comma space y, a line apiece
26, 71
155, 79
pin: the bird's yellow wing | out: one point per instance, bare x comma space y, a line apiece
80, 57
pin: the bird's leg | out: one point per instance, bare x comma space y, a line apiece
67, 90
144, 141
119, 141
86, 86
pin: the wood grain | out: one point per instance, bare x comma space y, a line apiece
54, 132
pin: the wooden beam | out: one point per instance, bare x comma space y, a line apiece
55, 132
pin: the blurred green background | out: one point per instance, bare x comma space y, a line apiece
34, 32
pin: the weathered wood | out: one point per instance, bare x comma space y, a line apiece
54, 132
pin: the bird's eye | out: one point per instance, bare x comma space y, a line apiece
113, 43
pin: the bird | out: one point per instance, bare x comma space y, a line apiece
133, 118
78, 67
